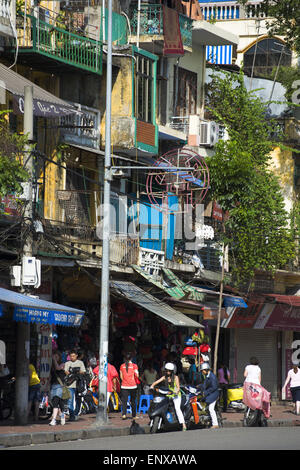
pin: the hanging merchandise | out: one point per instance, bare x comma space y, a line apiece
204, 348
198, 336
190, 342
190, 351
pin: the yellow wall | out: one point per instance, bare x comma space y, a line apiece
282, 164
122, 129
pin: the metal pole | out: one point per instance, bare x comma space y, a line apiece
23, 328
219, 313
104, 314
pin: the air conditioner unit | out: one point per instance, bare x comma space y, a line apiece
208, 133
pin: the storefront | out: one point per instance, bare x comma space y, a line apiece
268, 329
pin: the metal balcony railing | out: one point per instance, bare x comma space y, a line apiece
80, 240
151, 23
231, 11
82, 128
37, 36
180, 123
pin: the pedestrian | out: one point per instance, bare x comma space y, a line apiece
210, 388
294, 378
148, 377
192, 371
129, 381
252, 372
34, 391
171, 381
223, 379
112, 378
58, 389
73, 367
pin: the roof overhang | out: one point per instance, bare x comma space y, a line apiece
207, 34
45, 104
35, 310
135, 294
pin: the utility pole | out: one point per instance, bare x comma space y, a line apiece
23, 328
219, 312
105, 297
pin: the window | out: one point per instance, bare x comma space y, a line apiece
268, 53
185, 92
144, 89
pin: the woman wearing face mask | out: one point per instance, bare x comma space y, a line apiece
171, 381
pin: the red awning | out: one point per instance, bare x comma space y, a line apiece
293, 300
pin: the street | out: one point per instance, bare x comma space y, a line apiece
279, 438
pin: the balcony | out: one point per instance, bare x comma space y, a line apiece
80, 241
230, 10
7, 17
51, 40
82, 128
151, 25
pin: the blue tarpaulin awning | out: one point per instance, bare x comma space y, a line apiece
234, 302
35, 310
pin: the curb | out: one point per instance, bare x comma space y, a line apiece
26, 439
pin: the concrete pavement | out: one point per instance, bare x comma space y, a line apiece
86, 428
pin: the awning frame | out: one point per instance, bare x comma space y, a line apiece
135, 294
35, 310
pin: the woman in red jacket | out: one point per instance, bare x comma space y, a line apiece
129, 375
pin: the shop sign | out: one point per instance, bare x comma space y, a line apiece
217, 212
246, 317
212, 313
45, 356
284, 317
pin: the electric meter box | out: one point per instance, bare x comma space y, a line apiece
31, 271
15, 276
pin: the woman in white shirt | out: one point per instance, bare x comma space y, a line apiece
294, 378
252, 372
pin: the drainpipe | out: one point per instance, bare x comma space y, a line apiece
138, 24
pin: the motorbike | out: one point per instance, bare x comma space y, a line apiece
162, 411
254, 418
201, 416
234, 398
258, 401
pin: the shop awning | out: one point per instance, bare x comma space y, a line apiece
292, 300
179, 290
140, 297
31, 309
45, 104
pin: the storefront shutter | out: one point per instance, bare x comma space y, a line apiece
263, 345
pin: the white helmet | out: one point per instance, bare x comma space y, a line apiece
205, 366
169, 366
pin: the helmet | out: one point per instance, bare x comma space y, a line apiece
205, 366
170, 366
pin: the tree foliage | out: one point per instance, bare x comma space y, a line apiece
12, 171
256, 231
285, 20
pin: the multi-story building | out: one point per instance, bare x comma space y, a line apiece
268, 327
158, 82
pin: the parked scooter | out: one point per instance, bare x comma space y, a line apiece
201, 415
162, 411
234, 398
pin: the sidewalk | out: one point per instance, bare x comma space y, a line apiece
85, 428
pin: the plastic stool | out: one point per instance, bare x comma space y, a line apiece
128, 410
144, 407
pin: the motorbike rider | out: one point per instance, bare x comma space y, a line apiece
210, 389
171, 381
